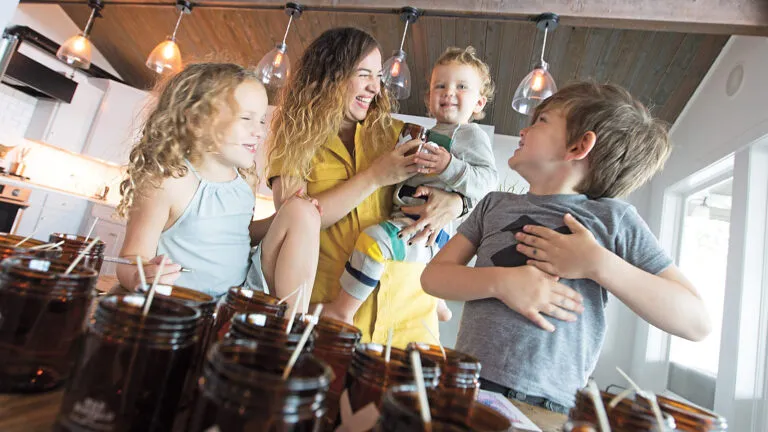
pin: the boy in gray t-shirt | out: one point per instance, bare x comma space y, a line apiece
559, 250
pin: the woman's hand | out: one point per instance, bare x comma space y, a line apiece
440, 209
301, 194
394, 166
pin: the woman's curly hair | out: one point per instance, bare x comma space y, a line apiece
191, 114
311, 105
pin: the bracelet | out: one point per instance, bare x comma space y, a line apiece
465, 205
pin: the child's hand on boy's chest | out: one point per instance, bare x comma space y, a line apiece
569, 256
533, 294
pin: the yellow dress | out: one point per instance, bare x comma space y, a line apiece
398, 302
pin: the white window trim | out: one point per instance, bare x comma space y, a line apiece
742, 378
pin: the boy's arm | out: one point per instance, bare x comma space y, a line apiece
666, 300
527, 290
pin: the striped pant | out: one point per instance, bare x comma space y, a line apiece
377, 245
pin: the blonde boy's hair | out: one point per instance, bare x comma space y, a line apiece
468, 56
631, 145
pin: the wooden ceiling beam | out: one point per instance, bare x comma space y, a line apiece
744, 17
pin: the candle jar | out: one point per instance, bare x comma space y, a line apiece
240, 300
75, 244
243, 390
133, 368
42, 310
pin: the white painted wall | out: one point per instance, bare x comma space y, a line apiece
7, 9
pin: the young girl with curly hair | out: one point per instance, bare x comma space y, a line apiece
189, 191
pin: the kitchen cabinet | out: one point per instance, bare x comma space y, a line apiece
66, 125
117, 123
51, 212
28, 218
110, 229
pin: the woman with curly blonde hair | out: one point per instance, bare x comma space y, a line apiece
333, 136
189, 190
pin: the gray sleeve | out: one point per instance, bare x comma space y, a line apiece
472, 227
472, 170
636, 244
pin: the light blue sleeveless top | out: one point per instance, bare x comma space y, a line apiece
211, 237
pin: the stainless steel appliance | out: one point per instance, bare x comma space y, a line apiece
13, 200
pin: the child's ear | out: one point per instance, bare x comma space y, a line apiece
480, 104
580, 149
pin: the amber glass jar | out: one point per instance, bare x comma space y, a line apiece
243, 390
400, 411
627, 416
269, 329
459, 372
133, 369
42, 311
241, 300
74, 244
689, 418
369, 375
8, 248
206, 305
335, 343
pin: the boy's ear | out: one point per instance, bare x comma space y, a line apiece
480, 104
580, 149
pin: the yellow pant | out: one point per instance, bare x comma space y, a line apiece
401, 304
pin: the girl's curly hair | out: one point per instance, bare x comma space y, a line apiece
191, 113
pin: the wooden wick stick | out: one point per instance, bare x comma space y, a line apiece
648, 395
151, 293
303, 341
292, 311
24, 240
426, 416
142, 278
597, 401
47, 246
436, 339
388, 349
90, 231
82, 254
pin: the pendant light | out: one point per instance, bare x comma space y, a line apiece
538, 84
166, 56
397, 75
274, 68
76, 51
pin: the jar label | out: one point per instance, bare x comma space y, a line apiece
94, 414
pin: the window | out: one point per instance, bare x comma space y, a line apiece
703, 258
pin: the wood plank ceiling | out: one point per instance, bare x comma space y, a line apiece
660, 68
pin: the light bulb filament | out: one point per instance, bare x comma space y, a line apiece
395, 69
278, 59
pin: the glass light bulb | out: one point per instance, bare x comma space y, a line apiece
274, 68
165, 57
76, 51
533, 89
397, 76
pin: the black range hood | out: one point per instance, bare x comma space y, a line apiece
35, 79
